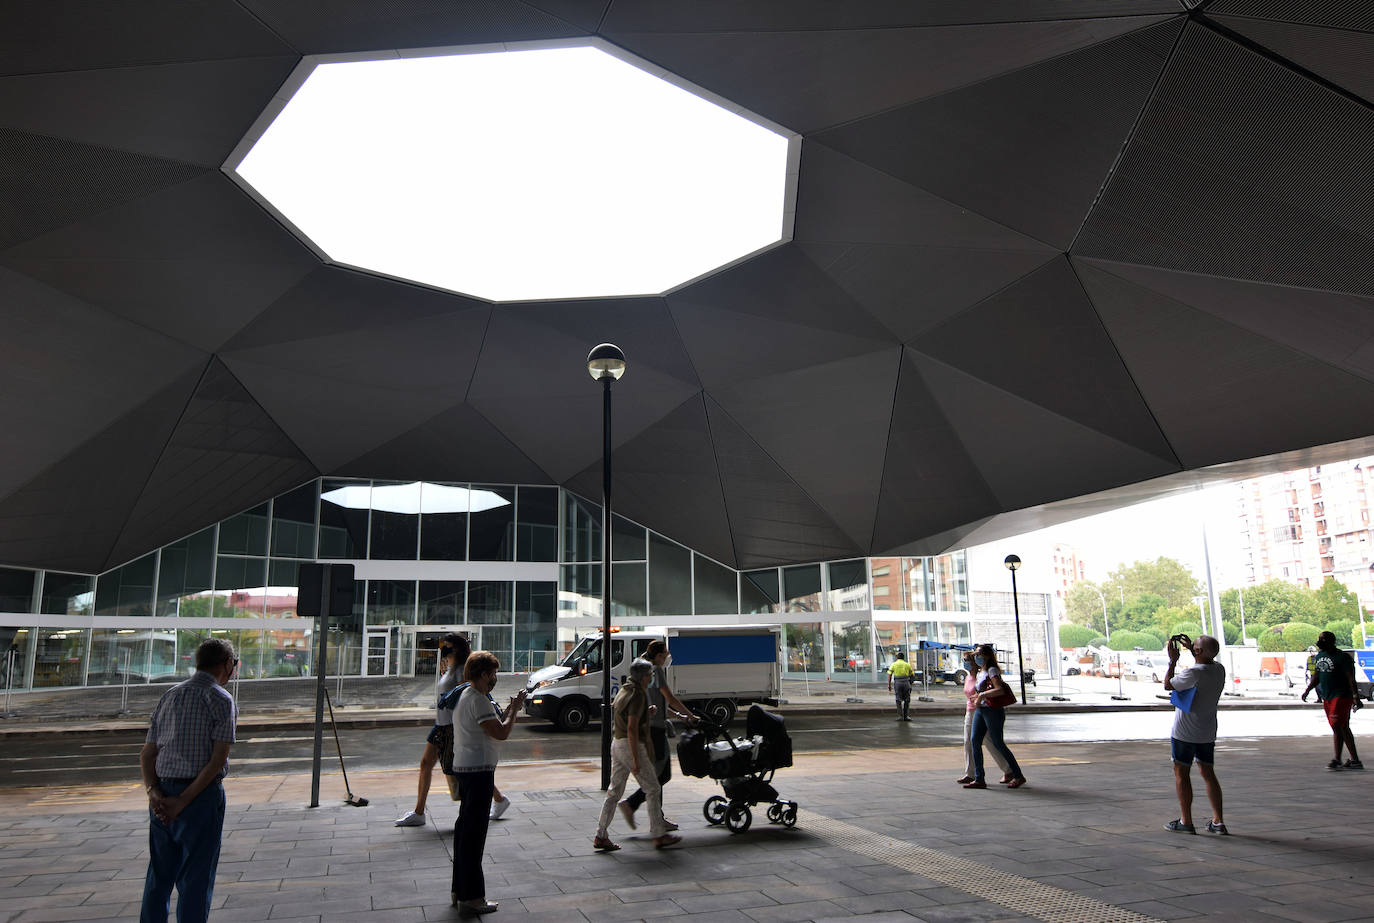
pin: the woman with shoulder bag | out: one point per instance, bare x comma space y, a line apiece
971, 695
993, 696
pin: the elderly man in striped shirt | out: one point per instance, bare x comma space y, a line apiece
185, 757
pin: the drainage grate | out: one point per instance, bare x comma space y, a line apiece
558, 794
1023, 895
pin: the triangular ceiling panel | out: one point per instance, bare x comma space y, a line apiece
669, 467
850, 396
787, 76
457, 444
67, 370
1336, 55
196, 261
1018, 447
194, 112
1030, 149
777, 522
732, 16
930, 484
71, 515
1050, 349
225, 455
552, 408
1219, 392
1243, 168
1331, 326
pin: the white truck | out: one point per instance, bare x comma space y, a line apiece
713, 670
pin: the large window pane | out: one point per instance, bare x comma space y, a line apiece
848, 585
801, 587
343, 519
14, 670
245, 533
16, 589
185, 571
390, 602
248, 643
127, 591
850, 643
893, 638
497, 639
286, 653
444, 522
240, 588
715, 588
537, 524
670, 577
441, 602
283, 589
293, 523
118, 656
581, 529
162, 659
627, 539
60, 657
395, 521
536, 621
758, 591
579, 591
491, 524
804, 647
491, 602
67, 594
628, 587
889, 584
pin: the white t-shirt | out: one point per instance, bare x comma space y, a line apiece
443, 716
473, 750
1198, 725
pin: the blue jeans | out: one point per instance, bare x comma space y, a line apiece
184, 855
988, 722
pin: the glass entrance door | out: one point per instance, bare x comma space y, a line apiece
376, 651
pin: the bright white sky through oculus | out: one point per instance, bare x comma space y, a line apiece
519, 175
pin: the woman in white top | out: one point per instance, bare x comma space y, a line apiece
988, 720
453, 653
478, 726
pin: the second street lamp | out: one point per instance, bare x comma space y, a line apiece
606, 363
1013, 563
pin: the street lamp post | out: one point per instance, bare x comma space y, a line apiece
1012, 563
606, 363
1107, 628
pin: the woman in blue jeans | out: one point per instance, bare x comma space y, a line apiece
988, 720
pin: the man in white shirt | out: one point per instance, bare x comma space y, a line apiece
1195, 728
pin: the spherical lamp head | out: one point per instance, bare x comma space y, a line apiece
1012, 562
606, 361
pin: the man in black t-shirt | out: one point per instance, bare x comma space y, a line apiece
1333, 674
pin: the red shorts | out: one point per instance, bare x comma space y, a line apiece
1337, 711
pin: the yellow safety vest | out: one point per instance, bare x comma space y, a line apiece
901, 668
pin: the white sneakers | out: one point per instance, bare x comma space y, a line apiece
499, 807
410, 819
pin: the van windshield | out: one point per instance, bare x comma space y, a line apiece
589, 649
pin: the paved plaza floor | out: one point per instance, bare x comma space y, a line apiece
882, 835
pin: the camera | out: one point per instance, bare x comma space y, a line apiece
1182, 641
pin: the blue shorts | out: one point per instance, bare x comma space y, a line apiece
433, 737
1185, 751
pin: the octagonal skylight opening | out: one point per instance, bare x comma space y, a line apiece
517, 172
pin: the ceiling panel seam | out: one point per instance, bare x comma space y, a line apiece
1130, 136
1049, 258
720, 480
482, 348
682, 341
1159, 19
887, 444
273, 32
1269, 54
249, 391
1135, 386
502, 433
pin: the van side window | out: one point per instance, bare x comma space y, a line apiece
638, 646
594, 655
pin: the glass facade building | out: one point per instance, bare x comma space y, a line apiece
516, 568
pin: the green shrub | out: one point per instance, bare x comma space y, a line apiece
1290, 636
1343, 629
1130, 640
1099, 641
1075, 635
1158, 634
1191, 629
1232, 631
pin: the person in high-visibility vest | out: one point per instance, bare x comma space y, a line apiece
899, 677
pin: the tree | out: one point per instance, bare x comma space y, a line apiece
1343, 629
1141, 612
1130, 640
1084, 607
1336, 602
1290, 636
1164, 577
1276, 602
1076, 635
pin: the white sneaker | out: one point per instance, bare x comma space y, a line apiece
410, 819
498, 808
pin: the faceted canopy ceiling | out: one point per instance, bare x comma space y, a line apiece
1041, 249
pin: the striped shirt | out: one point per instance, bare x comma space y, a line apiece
188, 720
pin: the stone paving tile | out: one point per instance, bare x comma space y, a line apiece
789, 913
888, 917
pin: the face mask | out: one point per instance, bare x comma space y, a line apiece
493, 680
978, 660
668, 661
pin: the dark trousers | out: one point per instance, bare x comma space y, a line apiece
988, 722
184, 854
470, 834
902, 690
658, 739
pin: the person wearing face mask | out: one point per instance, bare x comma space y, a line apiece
989, 718
971, 694
478, 726
662, 702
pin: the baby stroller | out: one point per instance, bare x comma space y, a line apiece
744, 767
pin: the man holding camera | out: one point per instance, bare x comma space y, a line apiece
1197, 691
1333, 674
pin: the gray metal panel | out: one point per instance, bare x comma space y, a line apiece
67, 370
1342, 57
789, 76
225, 455
1243, 168
1040, 339
667, 474
1030, 149
1356, 15
773, 519
58, 35
196, 261
586, 14
1219, 392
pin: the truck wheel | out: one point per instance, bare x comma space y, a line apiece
573, 716
960, 677
721, 711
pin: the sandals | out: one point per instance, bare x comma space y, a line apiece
1017, 783
668, 839
976, 784
1005, 780
604, 844
965, 780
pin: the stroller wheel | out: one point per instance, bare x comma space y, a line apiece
775, 813
714, 809
738, 818
788, 815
